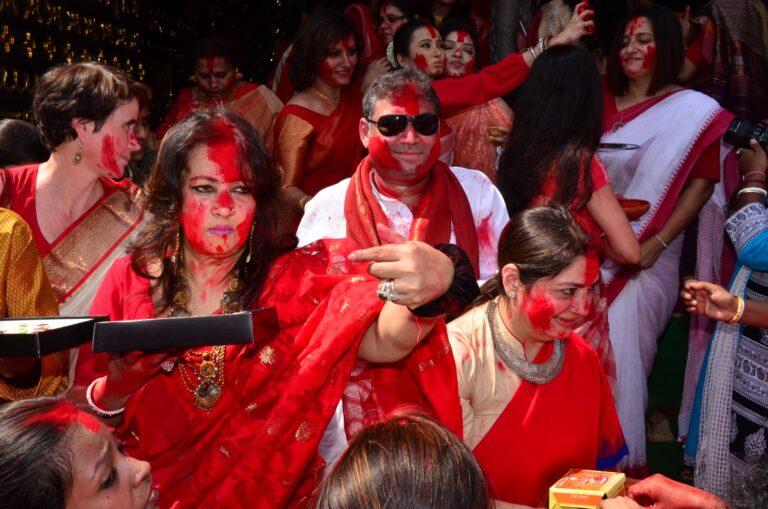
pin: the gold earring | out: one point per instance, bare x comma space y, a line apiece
176, 247
79, 154
193, 78
238, 75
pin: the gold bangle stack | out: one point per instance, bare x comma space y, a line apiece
739, 311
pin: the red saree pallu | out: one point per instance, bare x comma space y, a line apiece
257, 447
443, 205
316, 151
547, 429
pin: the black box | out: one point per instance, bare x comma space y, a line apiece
187, 332
35, 337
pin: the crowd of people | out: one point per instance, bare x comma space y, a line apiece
470, 264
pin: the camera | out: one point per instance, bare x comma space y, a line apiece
741, 131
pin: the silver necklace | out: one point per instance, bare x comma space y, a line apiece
535, 373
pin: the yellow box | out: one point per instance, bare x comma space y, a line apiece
585, 489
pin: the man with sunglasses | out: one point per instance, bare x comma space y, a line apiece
402, 185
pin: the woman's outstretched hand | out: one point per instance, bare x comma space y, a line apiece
581, 23
708, 299
127, 373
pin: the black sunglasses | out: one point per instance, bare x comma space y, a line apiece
389, 19
391, 125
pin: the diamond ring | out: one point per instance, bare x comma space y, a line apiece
386, 291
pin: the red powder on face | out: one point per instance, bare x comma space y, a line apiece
540, 311
64, 416
326, 71
378, 148
434, 152
210, 61
348, 43
649, 62
634, 25
420, 62
593, 269
224, 156
469, 67
408, 97
109, 157
432, 30
501, 366
462, 37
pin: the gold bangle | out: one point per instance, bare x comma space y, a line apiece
739, 311
303, 201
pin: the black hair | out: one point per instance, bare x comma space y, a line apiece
557, 128
20, 143
215, 46
35, 457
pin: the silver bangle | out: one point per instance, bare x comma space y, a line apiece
100, 412
758, 190
661, 241
541, 45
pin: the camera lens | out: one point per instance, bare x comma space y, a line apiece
738, 133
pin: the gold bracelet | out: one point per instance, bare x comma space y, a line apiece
739, 311
303, 201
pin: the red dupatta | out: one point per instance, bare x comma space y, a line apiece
257, 447
442, 204
547, 429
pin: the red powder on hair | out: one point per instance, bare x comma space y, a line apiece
420, 62
378, 148
63, 416
540, 311
109, 157
432, 30
593, 269
407, 98
649, 62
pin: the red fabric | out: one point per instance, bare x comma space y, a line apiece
335, 148
533, 29
443, 203
709, 137
477, 88
185, 103
582, 215
373, 48
19, 191
257, 447
547, 429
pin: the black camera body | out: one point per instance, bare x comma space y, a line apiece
741, 131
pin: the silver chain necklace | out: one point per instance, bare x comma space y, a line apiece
535, 373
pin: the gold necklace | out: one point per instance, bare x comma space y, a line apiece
324, 98
205, 380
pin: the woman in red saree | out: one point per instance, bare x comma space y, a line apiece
418, 44
534, 400
248, 434
217, 83
316, 139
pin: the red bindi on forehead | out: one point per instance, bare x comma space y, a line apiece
64, 416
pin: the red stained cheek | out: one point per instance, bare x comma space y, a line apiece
348, 42
540, 311
649, 62
408, 98
192, 220
420, 62
64, 416
109, 157
380, 152
326, 71
434, 153
470, 66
